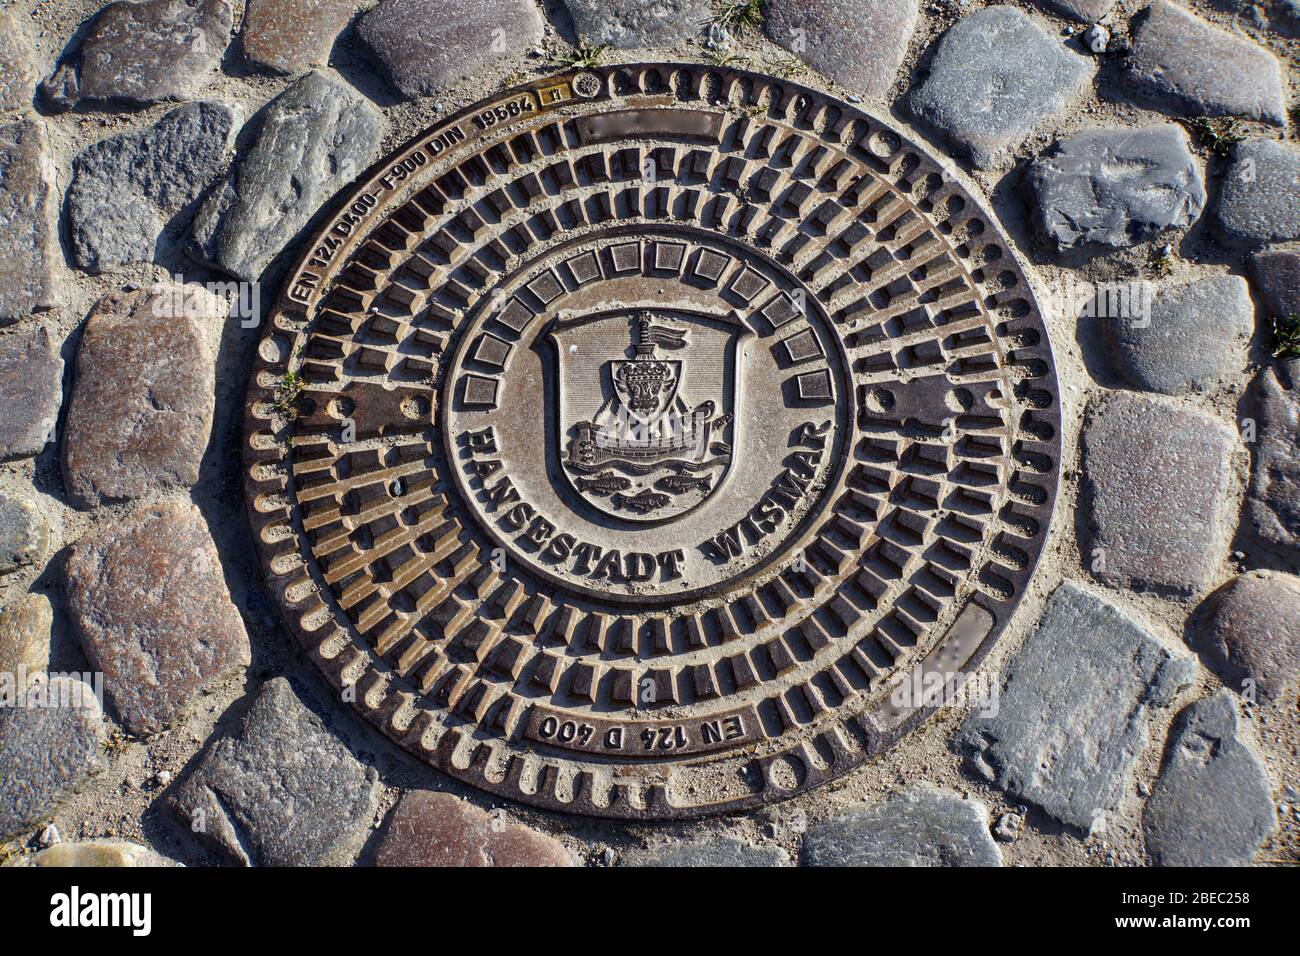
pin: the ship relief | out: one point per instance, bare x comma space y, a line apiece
646, 410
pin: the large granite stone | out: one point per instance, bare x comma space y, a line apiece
280, 790
1274, 497
631, 23
1074, 710
860, 44
1085, 11
31, 390
423, 46
290, 36
17, 63
1211, 804
127, 188
24, 534
1259, 196
144, 53
47, 753
1276, 273
141, 408
149, 604
1195, 334
1250, 633
1187, 66
920, 826
1155, 494
98, 853
438, 829
1115, 187
28, 233
719, 852
25, 626
315, 137
995, 75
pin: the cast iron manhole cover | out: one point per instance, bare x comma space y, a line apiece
638, 442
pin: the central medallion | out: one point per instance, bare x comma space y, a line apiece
645, 453
639, 442
648, 415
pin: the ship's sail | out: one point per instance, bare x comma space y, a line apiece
676, 434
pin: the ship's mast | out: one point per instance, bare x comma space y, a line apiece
642, 346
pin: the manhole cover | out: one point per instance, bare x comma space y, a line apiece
641, 442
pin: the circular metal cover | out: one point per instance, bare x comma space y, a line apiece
643, 441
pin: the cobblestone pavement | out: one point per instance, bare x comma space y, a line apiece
159, 163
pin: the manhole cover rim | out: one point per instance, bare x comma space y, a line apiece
339, 667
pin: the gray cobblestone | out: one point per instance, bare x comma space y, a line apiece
920, 826
1075, 708
290, 36
995, 75
1085, 11
1211, 804
860, 44
1276, 273
720, 852
281, 790
47, 753
1188, 66
632, 23
314, 138
1259, 195
1155, 492
17, 65
25, 626
1274, 497
24, 534
31, 390
141, 409
149, 603
127, 188
1195, 335
144, 53
28, 233
1115, 187
1250, 632
424, 46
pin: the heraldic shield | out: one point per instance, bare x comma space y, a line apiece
646, 410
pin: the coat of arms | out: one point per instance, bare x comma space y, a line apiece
645, 421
